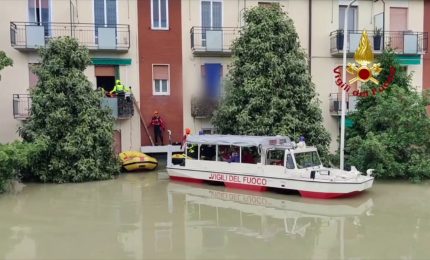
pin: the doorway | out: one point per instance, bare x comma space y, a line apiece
106, 82
398, 25
105, 77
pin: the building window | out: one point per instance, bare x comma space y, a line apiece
352, 17
212, 78
105, 14
39, 14
160, 76
211, 17
160, 14
266, 4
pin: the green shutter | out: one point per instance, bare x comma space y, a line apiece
110, 61
409, 59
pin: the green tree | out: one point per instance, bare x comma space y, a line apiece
391, 130
269, 89
66, 116
4, 61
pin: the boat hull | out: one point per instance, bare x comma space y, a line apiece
306, 187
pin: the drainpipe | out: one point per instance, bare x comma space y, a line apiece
342, 118
310, 38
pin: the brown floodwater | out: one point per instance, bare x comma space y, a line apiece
146, 216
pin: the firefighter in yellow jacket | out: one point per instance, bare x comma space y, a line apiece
119, 88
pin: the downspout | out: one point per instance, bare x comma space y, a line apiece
310, 38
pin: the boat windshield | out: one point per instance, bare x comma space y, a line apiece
307, 159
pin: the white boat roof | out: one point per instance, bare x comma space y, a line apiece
238, 140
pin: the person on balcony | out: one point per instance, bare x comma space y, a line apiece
119, 89
159, 127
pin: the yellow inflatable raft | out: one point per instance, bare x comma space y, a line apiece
178, 158
133, 161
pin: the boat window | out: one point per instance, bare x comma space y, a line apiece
250, 155
192, 151
228, 153
275, 157
207, 152
290, 162
308, 159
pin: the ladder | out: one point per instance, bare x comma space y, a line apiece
142, 120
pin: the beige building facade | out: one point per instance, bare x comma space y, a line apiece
213, 24
107, 27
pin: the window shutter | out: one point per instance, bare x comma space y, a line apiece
161, 72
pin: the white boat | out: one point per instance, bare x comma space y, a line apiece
261, 162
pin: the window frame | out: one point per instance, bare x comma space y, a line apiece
353, 7
211, 12
154, 92
160, 28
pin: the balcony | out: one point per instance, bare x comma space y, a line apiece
336, 103
21, 106
30, 36
212, 41
203, 107
404, 43
121, 107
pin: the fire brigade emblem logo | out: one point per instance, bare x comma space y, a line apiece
364, 70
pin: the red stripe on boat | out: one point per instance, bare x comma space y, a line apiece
325, 195
185, 179
233, 185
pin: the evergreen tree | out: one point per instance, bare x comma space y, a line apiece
4, 61
67, 118
391, 130
269, 89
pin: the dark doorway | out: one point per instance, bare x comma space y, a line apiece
106, 82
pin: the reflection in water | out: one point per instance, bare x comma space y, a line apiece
146, 216
229, 221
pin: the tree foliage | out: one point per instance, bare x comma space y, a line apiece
269, 89
5, 60
391, 130
16, 159
66, 116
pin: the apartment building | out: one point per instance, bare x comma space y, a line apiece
160, 58
210, 26
107, 27
175, 53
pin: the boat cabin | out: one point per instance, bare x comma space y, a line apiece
263, 150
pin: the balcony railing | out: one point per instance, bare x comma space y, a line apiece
121, 107
21, 106
405, 42
336, 103
212, 41
30, 36
203, 107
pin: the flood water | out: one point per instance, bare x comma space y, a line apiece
146, 216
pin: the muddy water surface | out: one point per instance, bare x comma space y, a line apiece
146, 216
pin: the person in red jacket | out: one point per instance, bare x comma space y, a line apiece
159, 127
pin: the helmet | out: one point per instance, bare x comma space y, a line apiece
118, 82
187, 131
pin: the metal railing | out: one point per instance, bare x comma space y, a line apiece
121, 107
212, 41
21, 106
203, 107
336, 103
25, 35
403, 42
